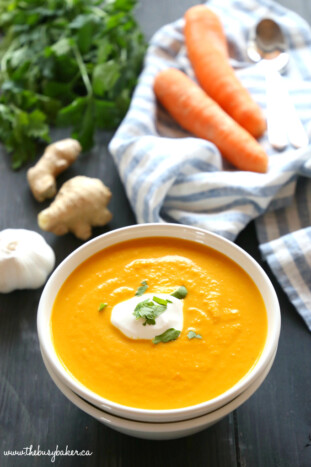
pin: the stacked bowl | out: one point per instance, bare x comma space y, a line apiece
158, 423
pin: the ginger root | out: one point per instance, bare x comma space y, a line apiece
57, 157
80, 204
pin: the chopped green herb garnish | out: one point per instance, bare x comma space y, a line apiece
161, 301
102, 306
167, 336
193, 335
142, 289
180, 293
149, 309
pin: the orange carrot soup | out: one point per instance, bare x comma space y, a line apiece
158, 323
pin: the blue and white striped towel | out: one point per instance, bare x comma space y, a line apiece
171, 176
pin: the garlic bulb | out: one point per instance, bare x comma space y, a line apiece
25, 260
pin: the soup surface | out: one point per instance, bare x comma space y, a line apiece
224, 324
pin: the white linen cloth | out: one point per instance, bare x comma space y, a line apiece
169, 175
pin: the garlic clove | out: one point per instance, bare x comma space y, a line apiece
26, 260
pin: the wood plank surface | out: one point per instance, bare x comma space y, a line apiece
272, 429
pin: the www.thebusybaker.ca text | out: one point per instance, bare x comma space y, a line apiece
30, 451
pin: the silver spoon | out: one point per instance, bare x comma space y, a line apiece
267, 44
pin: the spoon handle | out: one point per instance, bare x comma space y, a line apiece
276, 126
282, 118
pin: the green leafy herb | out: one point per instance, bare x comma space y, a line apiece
193, 335
65, 63
142, 289
161, 301
102, 306
167, 336
180, 293
149, 309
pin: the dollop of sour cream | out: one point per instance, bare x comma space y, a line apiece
122, 317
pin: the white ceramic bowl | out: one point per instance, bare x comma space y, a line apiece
158, 431
159, 230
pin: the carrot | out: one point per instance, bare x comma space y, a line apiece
196, 112
208, 53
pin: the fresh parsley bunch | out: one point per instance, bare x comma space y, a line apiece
65, 63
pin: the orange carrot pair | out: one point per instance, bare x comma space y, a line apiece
207, 50
195, 111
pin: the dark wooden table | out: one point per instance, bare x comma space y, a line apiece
271, 429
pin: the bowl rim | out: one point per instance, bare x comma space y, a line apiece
180, 427
212, 240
